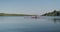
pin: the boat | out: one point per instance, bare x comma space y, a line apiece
35, 17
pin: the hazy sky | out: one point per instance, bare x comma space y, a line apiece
29, 6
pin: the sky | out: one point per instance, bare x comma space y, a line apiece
29, 6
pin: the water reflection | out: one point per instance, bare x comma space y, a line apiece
56, 20
1, 18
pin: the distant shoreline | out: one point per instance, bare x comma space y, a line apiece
5, 14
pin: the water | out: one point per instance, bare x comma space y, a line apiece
28, 24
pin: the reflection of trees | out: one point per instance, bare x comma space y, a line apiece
56, 20
2, 18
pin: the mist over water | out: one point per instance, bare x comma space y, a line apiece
29, 24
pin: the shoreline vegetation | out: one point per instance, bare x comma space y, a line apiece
6, 14
54, 13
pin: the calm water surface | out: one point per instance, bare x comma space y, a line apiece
28, 24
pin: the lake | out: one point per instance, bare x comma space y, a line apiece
28, 24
